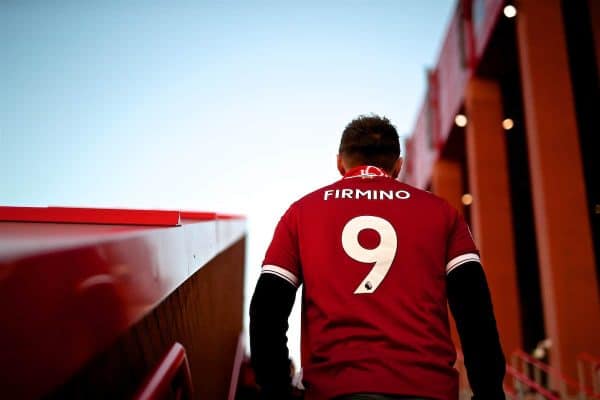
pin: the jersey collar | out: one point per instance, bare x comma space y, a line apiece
365, 171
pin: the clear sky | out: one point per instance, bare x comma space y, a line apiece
230, 106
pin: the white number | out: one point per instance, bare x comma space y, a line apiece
382, 255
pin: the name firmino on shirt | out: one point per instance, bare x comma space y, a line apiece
366, 194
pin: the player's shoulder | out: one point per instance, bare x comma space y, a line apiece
422, 193
428, 198
306, 200
316, 194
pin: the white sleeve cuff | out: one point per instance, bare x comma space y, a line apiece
460, 260
281, 272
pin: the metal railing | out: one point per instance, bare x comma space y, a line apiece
237, 365
567, 387
588, 366
171, 373
529, 378
525, 388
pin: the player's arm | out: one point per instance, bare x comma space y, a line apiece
269, 311
270, 308
471, 305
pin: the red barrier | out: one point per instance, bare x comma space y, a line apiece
525, 379
485, 15
586, 361
68, 290
518, 378
90, 216
452, 75
467, 37
421, 151
237, 365
171, 373
563, 379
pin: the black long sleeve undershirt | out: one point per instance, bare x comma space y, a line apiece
471, 305
269, 312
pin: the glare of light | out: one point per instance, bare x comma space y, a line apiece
510, 11
460, 120
467, 199
508, 124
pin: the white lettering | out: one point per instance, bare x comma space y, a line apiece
402, 194
366, 193
347, 193
388, 194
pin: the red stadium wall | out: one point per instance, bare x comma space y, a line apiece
492, 67
203, 314
92, 299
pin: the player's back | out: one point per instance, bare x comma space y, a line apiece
373, 256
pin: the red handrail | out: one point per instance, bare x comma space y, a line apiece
545, 367
510, 392
593, 363
588, 357
173, 366
525, 379
553, 372
237, 364
516, 375
82, 215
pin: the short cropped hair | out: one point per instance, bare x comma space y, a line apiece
370, 140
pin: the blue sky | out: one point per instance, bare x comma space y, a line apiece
231, 106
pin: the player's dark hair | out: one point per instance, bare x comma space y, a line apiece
370, 140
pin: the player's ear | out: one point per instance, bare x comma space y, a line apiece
397, 167
340, 165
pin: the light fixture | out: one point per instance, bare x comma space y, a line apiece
508, 124
460, 120
510, 11
467, 199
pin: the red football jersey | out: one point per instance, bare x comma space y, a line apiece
372, 254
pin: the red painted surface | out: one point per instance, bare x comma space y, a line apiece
203, 216
90, 215
420, 155
240, 353
452, 72
527, 382
68, 290
559, 377
484, 22
197, 215
467, 10
230, 216
433, 105
172, 372
468, 34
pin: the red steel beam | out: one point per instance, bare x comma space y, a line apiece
103, 216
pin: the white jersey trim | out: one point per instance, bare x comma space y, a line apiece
280, 272
460, 260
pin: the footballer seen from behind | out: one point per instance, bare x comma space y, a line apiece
378, 262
